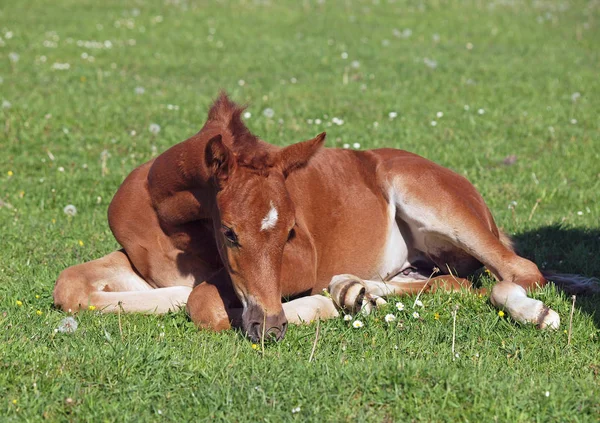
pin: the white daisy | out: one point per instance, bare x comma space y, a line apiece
389, 318
268, 113
347, 318
416, 315
357, 324
400, 306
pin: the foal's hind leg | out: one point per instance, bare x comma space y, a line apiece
457, 219
111, 283
354, 294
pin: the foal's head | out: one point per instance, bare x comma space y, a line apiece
254, 218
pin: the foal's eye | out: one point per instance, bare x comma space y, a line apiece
229, 235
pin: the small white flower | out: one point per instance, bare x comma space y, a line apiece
6, 104
159, 412
430, 63
419, 303
466, 107
573, 121
268, 113
337, 121
296, 410
241, 82
98, 200
512, 205
14, 57
439, 114
154, 128
375, 124
293, 80
61, 169
61, 66
457, 355
346, 145
318, 121
133, 133
344, 55
469, 46
140, 90
68, 325
357, 324
356, 145
580, 213
355, 64
400, 306
575, 96
70, 210
347, 317
433, 123
247, 115
389, 318
416, 315
547, 393
393, 115
481, 111
8, 35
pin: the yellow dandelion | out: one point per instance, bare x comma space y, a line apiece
10, 173
500, 313
565, 331
436, 316
21, 194
39, 312
255, 347
19, 303
92, 308
37, 297
53, 221
80, 243
14, 401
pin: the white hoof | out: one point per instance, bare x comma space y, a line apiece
551, 320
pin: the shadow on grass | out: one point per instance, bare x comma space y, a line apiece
566, 250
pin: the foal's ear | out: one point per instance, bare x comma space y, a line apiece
218, 159
297, 155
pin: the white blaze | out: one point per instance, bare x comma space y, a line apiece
270, 219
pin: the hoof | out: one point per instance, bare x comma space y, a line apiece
549, 319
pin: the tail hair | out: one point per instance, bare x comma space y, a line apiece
574, 284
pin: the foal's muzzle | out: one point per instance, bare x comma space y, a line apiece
257, 324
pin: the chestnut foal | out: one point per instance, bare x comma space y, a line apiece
230, 225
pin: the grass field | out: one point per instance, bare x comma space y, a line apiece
504, 92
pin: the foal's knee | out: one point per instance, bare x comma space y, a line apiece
206, 308
69, 291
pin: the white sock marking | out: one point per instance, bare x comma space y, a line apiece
270, 219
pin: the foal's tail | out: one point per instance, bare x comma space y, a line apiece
573, 284
568, 283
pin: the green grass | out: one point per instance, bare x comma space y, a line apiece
526, 62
